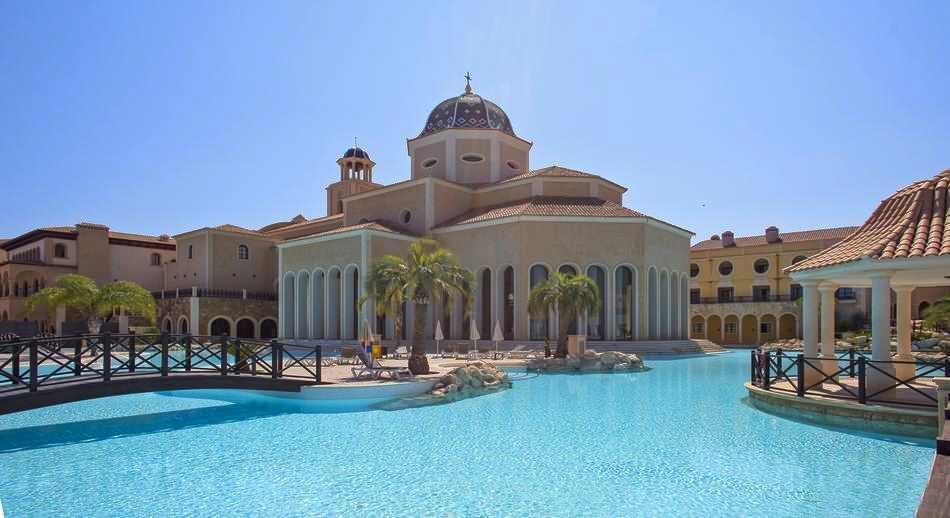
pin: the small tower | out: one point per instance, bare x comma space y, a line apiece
356, 176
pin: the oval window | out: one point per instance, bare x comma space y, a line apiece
406, 216
725, 268
472, 158
429, 163
515, 166
761, 265
693, 270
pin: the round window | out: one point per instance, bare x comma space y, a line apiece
514, 166
693, 270
798, 259
761, 265
429, 163
406, 216
472, 158
725, 268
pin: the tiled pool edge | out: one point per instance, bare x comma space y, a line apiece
871, 418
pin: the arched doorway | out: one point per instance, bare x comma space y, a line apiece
921, 308
350, 322
220, 326
484, 304
303, 309
183, 326
290, 309
333, 304
539, 326
674, 306
318, 305
768, 328
750, 330
167, 325
698, 328
652, 304
787, 327
731, 330
567, 269
664, 305
625, 300
268, 328
245, 328
714, 329
596, 322
508, 291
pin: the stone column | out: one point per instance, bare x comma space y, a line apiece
829, 362
907, 370
880, 332
810, 325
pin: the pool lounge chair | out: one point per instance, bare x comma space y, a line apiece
348, 356
521, 352
484, 352
448, 350
371, 368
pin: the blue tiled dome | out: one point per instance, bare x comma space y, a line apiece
467, 111
356, 152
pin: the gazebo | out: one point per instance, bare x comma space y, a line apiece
903, 245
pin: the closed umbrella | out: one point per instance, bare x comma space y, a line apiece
438, 336
474, 337
496, 337
366, 336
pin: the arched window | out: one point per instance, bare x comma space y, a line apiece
156, 260
59, 251
191, 251
243, 253
539, 326
567, 269
36, 285
596, 321
508, 327
624, 301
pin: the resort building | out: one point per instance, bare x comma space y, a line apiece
37, 258
472, 189
740, 293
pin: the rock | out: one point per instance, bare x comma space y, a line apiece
609, 361
471, 379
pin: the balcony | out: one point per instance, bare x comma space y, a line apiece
741, 300
218, 294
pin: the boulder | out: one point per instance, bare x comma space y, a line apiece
590, 361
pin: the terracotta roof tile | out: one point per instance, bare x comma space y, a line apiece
912, 222
545, 206
236, 229
823, 234
378, 225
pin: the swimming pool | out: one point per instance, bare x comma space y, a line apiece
676, 440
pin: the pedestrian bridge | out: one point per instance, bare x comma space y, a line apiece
39, 372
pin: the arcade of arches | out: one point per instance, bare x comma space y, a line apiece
322, 304
748, 329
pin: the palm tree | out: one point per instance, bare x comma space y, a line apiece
80, 293
427, 275
569, 297
937, 315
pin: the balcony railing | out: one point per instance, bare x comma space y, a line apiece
742, 299
218, 294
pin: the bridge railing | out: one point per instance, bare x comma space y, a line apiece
34, 363
780, 371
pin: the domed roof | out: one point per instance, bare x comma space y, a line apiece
467, 111
356, 152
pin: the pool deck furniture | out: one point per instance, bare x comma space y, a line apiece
372, 369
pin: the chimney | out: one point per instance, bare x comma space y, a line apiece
771, 234
727, 239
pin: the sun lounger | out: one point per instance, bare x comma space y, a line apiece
348, 356
371, 368
448, 350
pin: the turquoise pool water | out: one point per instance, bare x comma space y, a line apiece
677, 440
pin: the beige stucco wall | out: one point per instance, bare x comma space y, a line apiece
449, 202
509, 153
434, 150
336, 252
562, 188
466, 172
185, 272
258, 273
503, 195
92, 253
134, 263
389, 205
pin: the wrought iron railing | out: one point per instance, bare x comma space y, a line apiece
741, 299
780, 371
216, 293
39, 362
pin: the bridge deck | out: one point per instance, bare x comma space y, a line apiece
70, 390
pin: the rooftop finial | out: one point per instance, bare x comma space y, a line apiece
468, 83
355, 144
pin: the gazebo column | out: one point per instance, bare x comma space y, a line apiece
880, 333
904, 371
829, 363
810, 325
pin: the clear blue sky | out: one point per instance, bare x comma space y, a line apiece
164, 116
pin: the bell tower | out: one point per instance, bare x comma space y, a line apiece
356, 176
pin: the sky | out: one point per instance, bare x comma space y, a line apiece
166, 116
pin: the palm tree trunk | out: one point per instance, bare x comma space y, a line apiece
418, 364
563, 324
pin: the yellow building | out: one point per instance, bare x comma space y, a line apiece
740, 293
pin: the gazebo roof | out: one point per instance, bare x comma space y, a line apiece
914, 222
